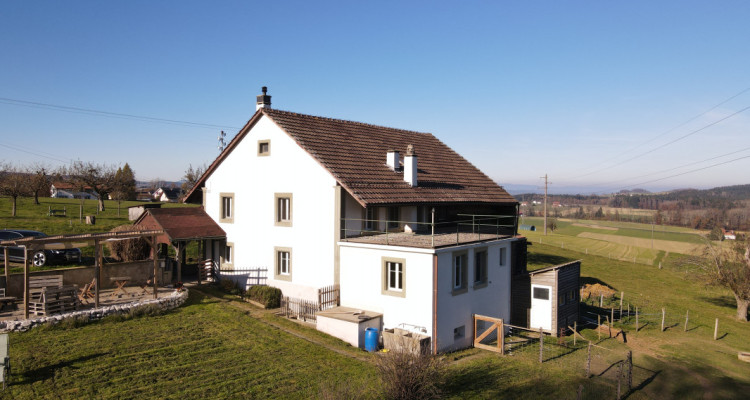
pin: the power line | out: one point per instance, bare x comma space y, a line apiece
691, 171
668, 131
34, 153
88, 111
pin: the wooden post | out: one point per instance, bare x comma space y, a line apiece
579, 396
588, 360
501, 337
7, 266
687, 317
612, 318
575, 330
154, 250
716, 329
636, 319
622, 294
178, 256
663, 313
628, 312
599, 326
601, 300
199, 266
98, 272
26, 283
541, 345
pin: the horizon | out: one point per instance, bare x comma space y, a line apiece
600, 97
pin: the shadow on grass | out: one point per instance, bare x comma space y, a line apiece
593, 281
722, 301
48, 372
481, 381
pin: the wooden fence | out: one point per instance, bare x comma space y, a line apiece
495, 331
329, 297
299, 308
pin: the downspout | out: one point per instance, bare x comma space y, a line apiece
434, 302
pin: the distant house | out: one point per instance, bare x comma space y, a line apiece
63, 190
524, 203
556, 204
169, 195
728, 234
142, 194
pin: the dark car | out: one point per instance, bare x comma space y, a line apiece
38, 258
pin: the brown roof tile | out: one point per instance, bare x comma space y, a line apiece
183, 223
355, 154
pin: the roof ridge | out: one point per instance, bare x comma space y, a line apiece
275, 110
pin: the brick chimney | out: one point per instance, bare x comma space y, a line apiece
263, 101
410, 166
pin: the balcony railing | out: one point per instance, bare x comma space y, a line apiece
466, 228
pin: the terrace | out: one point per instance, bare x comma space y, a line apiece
467, 228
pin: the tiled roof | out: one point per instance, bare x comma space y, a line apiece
183, 222
355, 154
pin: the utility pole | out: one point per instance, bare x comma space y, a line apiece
545, 203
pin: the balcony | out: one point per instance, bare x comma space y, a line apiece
469, 228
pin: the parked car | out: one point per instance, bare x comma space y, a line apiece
38, 258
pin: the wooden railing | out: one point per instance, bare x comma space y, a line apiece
329, 297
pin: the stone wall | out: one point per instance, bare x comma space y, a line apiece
174, 300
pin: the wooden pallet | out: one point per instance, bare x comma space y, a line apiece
53, 300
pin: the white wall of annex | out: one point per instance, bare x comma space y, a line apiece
362, 283
492, 300
254, 180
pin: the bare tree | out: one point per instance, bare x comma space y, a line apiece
191, 177
97, 178
14, 182
40, 181
729, 267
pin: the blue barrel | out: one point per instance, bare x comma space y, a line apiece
371, 339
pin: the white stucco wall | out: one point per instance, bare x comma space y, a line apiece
492, 300
254, 180
362, 283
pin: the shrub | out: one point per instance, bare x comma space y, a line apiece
269, 296
230, 286
129, 249
407, 375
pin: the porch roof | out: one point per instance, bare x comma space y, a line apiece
182, 223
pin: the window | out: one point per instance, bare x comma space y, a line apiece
283, 263
393, 217
227, 208
480, 269
370, 218
264, 147
228, 256
459, 273
283, 209
541, 293
394, 276
459, 332
502, 256
561, 299
571, 296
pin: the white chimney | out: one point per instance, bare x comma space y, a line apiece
263, 101
392, 160
410, 166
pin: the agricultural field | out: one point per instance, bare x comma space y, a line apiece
627, 241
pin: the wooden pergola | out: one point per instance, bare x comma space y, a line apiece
35, 243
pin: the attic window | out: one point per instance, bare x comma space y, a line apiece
264, 147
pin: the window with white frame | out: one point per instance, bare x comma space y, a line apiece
283, 261
480, 268
460, 269
394, 276
283, 209
227, 207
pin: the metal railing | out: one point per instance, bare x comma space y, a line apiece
492, 226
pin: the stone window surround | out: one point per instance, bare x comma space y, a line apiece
384, 284
277, 267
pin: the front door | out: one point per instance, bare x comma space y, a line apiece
541, 307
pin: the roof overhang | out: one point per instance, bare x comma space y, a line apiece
80, 240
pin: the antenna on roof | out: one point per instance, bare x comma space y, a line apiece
222, 143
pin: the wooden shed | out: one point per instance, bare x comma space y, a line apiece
546, 298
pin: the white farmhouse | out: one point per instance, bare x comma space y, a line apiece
403, 224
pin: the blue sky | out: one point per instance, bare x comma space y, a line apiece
521, 89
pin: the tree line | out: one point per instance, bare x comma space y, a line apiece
101, 180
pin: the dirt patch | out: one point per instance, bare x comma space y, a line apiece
606, 228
